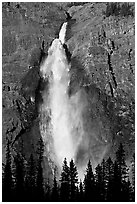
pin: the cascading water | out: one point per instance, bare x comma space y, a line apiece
62, 124
60, 134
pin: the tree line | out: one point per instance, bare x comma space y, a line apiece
110, 181
120, 9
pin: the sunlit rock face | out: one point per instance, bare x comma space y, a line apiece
72, 122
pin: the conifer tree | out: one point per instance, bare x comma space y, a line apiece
120, 175
116, 184
19, 177
48, 194
109, 179
81, 192
65, 182
30, 180
77, 194
133, 171
127, 191
120, 172
7, 184
133, 178
103, 165
55, 190
73, 180
120, 159
89, 183
39, 177
99, 183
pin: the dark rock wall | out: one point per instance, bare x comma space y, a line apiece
25, 27
104, 46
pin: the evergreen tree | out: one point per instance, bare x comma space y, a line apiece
30, 181
89, 183
116, 184
120, 159
120, 175
77, 194
55, 190
103, 165
133, 178
7, 184
120, 172
39, 177
48, 194
19, 177
109, 179
127, 191
73, 180
133, 170
65, 182
81, 192
99, 183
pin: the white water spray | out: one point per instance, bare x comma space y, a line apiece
62, 127
66, 125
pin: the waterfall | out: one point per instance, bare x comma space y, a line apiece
61, 133
65, 130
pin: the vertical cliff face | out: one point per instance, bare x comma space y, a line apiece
25, 27
101, 41
91, 94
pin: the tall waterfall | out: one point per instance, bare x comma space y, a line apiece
62, 133
62, 124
